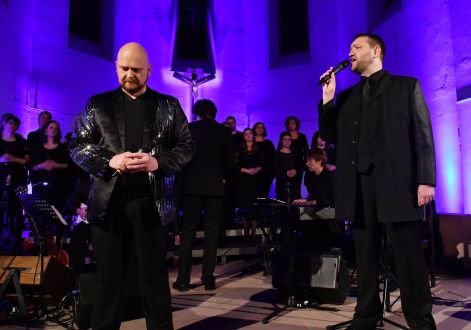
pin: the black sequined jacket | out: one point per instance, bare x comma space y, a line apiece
100, 135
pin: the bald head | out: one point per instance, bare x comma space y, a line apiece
133, 68
133, 51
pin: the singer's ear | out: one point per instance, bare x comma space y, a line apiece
376, 51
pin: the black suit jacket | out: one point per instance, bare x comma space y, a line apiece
400, 144
100, 135
213, 160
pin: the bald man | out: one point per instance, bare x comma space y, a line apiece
131, 141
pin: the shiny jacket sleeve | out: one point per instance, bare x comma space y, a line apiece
171, 161
84, 148
423, 139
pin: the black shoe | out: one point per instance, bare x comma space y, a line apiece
182, 287
210, 285
351, 327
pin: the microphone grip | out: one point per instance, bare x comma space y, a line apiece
342, 65
324, 79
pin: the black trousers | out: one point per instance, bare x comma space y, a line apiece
228, 208
131, 223
193, 205
411, 269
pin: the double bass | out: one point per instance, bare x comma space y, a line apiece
31, 248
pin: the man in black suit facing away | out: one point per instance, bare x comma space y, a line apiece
385, 174
203, 189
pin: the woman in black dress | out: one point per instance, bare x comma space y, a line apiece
299, 146
13, 158
268, 151
287, 187
13, 154
249, 180
50, 167
13, 151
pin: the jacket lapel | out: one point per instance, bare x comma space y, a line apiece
118, 114
355, 101
384, 84
149, 118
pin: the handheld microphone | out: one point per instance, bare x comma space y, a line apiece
342, 65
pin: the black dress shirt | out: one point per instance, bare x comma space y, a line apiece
367, 121
135, 184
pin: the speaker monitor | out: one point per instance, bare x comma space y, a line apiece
324, 278
331, 283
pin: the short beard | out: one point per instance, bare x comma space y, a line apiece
135, 87
361, 67
131, 90
357, 69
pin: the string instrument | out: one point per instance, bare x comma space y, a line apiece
55, 252
31, 248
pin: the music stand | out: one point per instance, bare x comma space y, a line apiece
37, 210
290, 246
388, 276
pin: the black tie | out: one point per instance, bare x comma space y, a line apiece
363, 156
366, 88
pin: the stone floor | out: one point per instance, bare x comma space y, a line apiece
244, 296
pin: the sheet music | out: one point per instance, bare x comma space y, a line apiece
59, 215
270, 200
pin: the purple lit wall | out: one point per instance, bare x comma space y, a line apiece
46, 74
460, 27
153, 24
424, 42
428, 39
15, 37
